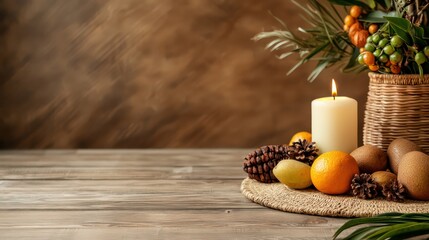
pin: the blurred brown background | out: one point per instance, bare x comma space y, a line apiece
152, 73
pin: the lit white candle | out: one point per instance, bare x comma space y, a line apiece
334, 123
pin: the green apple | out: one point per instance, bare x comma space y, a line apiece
293, 173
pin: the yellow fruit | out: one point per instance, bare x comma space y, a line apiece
293, 173
413, 173
332, 172
383, 177
300, 135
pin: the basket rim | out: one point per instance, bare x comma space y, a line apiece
398, 79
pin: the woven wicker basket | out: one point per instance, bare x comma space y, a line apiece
397, 107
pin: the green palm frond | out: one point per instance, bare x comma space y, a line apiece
324, 41
387, 226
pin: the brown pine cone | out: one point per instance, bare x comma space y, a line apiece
363, 186
394, 191
260, 163
303, 151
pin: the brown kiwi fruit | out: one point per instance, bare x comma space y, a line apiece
383, 177
398, 148
370, 158
413, 173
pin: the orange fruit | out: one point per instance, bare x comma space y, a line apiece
332, 172
346, 28
359, 38
368, 58
354, 28
300, 135
373, 28
355, 11
395, 69
349, 20
373, 68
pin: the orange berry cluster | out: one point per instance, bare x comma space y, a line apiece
378, 50
357, 34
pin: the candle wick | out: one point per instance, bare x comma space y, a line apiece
333, 96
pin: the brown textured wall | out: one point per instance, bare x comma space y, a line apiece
151, 73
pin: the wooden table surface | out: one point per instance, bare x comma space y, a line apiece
139, 194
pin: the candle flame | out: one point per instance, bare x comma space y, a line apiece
334, 89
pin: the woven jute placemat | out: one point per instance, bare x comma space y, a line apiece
311, 201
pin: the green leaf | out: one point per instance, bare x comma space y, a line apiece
426, 32
418, 35
316, 51
378, 16
420, 70
349, 3
319, 68
406, 230
420, 32
371, 3
386, 229
393, 225
376, 219
285, 55
401, 27
296, 66
388, 4
361, 233
384, 3
352, 62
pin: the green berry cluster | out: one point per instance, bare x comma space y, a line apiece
389, 54
382, 53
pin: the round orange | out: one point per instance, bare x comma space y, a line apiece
373, 28
332, 172
355, 11
349, 20
300, 135
368, 58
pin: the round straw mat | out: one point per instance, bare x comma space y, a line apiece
311, 201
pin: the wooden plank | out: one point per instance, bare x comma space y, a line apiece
261, 218
177, 233
176, 224
137, 195
123, 158
121, 173
120, 186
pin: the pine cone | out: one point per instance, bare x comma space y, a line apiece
363, 186
394, 191
303, 151
260, 163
